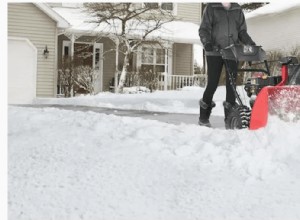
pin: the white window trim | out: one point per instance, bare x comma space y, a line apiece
168, 57
174, 11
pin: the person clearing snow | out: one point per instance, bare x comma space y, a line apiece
222, 25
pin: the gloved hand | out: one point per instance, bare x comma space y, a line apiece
208, 47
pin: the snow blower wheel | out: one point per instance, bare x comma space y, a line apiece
238, 118
239, 115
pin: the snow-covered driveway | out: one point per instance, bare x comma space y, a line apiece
172, 118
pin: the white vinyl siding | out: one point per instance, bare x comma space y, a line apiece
190, 12
26, 20
183, 59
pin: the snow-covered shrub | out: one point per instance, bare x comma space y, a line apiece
149, 79
74, 78
86, 78
142, 79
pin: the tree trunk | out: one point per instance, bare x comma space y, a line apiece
124, 72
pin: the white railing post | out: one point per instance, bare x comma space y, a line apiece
178, 81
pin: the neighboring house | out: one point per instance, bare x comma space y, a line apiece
178, 59
276, 26
32, 51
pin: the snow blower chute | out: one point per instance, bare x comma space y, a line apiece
274, 95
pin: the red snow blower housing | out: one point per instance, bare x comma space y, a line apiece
274, 95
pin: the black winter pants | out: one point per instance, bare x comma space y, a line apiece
214, 69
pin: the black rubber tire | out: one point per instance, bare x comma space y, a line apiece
238, 118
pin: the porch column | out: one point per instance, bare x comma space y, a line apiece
166, 60
117, 66
72, 55
73, 38
170, 58
165, 74
170, 65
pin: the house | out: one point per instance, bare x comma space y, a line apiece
41, 34
276, 25
32, 51
176, 59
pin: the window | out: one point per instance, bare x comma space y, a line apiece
152, 5
153, 59
160, 56
168, 6
97, 58
66, 50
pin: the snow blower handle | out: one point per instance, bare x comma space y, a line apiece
246, 53
288, 60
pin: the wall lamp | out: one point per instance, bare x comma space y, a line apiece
46, 52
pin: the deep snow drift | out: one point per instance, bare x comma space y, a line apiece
85, 165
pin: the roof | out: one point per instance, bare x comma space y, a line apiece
61, 22
81, 22
273, 7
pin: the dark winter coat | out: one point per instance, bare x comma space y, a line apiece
222, 27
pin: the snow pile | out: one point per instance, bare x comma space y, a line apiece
180, 101
84, 165
135, 90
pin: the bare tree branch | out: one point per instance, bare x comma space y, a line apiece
131, 23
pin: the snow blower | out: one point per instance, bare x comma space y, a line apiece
274, 95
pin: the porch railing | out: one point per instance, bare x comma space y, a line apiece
175, 82
165, 81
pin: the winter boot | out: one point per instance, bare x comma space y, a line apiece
205, 111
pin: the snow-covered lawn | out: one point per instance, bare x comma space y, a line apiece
70, 165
